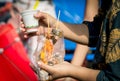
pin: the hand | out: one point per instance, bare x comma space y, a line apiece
44, 21
57, 71
70, 79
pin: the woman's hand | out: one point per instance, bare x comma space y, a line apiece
45, 20
57, 71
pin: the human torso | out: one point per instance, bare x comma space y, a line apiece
108, 51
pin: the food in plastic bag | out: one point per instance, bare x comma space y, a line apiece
50, 50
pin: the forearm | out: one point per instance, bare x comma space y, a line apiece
84, 74
78, 33
91, 9
80, 54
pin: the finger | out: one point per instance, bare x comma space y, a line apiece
20, 17
22, 24
40, 15
25, 36
22, 29
40, 30
45, 67
50, 78
33, 67
21, 21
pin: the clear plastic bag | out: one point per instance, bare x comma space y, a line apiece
50, 50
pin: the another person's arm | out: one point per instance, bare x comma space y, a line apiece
66, 69
75, 32
91, 11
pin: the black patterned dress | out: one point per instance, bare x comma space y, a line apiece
107, 56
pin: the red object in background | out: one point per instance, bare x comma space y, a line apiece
14, 63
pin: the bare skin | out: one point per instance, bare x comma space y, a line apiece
80, 32
66, 69
74, 33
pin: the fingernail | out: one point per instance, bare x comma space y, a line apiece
25, 36
39, 63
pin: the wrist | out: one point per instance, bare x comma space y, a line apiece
88, 23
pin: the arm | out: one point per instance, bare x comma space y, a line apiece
66, 69
91, 9
80, 55
73, 32
84, 74
81, 50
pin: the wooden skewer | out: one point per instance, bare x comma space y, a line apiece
58, 19
48, 25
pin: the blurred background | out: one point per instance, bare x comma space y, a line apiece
72, 11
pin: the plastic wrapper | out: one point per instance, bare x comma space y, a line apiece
50, 50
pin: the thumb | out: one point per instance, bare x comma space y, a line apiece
45, 67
